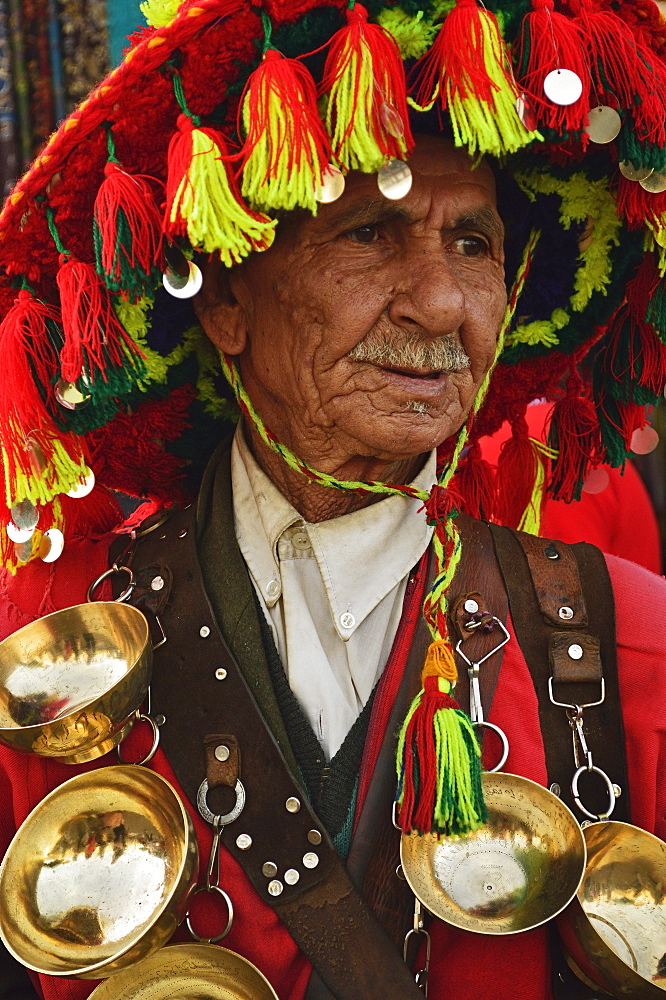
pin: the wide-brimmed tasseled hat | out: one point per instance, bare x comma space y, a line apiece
226, 113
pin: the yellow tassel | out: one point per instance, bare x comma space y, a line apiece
160, 13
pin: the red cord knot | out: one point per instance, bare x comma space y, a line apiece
440, 505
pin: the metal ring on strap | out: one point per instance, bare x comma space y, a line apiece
210, 817
609, 787
140, 717
127, 592
230, 920
503, 739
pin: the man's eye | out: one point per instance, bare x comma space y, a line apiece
471, 246
364, 234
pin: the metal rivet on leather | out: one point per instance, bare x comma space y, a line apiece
293, 804
291, 876
555, 789
243, 841
222, 753
575, 651
311, 860
160, 720
157, 583
269, 869
471, 606
275, 887
565, 613
204, 631
182, 533
551, 552
314, 837
617, 791
220, 674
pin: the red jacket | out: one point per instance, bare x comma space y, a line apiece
464, 966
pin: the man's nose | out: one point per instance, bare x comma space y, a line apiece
428, 295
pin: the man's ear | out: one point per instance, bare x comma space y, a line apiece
219, 311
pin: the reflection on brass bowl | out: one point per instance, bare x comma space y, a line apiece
70, 683
615, 930
188, 972
98, 875
515, 873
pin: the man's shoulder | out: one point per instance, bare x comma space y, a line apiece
38, 588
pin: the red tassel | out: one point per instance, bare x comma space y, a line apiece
515, 475
33, 449
94, 336
548, 41
127, 232
364, 78
475, 483
619, 63
576, 436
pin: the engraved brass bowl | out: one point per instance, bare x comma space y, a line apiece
98, 875
518, 871
188, 972
614, 932
71, 682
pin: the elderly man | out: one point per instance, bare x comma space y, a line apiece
358, 340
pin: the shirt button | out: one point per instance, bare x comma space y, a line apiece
300, 540
273, 588
347, 620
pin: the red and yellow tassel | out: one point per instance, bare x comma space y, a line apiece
364, 82
286, 150
469, 68
203, 202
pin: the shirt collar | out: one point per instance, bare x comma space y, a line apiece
362, 556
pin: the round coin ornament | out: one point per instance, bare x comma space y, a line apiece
644, 440
596, 481
526, 112
394, 180
18, 535
332, 185
25, 515
563, 87
392, 121
36, 458
183, 287
70, 396
51, 545
82, 489
604, 125
655, 183
632, 172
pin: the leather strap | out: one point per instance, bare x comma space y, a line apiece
200, 690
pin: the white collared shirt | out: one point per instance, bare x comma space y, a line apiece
332, 591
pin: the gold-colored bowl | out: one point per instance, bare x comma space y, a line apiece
614, 932
98, 875
188, 972
71, 682
515, 873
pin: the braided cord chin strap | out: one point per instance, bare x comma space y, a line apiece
445, 808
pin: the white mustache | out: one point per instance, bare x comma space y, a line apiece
443, 354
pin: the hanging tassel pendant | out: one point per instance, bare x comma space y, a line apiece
364, 82
574, 435
287, 151
469, 67
550, 44
127, 232
203, 200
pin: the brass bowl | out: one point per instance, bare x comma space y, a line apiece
71, 682
188, 972
515, 873
614, 932
98, 875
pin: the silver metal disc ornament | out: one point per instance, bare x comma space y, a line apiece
70, 395
392, 121
18, 535
25, 515
563, 87
332, 185
23, 550
655, 183
633, 173
51, 545
605, 124
37, 458
394, 180
644, 440
82, 489
183, 287
526, 112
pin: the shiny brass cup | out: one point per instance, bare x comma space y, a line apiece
71, 682
515, 873
98, 875
188, 972
614, 932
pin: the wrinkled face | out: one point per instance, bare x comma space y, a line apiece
367, 330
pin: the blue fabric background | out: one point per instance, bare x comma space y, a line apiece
124, 16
